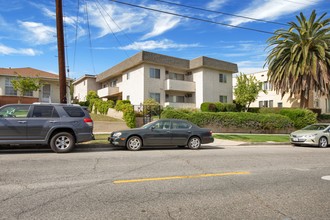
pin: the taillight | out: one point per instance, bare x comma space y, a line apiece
211, 133
88, 121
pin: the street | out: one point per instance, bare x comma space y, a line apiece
216, 182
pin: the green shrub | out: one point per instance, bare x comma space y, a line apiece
300, 117
129, 114
208, 107
247, 120
120, 104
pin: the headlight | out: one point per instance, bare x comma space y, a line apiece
116, 134
310, 136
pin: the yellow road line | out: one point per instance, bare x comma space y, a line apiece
180, 177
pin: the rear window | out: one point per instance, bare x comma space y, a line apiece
74, 111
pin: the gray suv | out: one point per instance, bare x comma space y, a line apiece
58, 125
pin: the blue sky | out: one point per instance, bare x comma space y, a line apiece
102, 33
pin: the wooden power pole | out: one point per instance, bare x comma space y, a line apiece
60, 48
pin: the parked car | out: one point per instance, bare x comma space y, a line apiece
164, 132
58, 125
315, 135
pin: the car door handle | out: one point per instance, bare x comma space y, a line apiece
52, 121
22, 122
168, 131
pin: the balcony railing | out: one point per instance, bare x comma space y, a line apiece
179, 85
107, 91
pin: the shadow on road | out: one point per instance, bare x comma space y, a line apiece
28, 149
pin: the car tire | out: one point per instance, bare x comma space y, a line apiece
194, 143
323, 142
134, 143
62, 142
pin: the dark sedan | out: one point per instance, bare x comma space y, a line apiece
164, 132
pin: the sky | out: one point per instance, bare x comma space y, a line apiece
101, 33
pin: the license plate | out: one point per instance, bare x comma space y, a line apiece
295, 139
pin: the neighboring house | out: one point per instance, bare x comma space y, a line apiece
49, 91
169, 80
272, 99
83, 85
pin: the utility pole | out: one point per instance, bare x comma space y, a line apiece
60, 48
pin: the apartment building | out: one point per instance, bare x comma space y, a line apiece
49, 91
83, 85
169, 80
272, 99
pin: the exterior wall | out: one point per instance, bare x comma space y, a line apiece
134, 86
154, 85
80, 91
322, 102
37, 95
208, 87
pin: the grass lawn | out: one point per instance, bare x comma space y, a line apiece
98, 117
254, 137
99, 139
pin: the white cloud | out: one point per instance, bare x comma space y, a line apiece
4, 50
270, 10
151, 45
109, 18
215, 4
38, 33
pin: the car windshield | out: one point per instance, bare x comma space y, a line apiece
315, 127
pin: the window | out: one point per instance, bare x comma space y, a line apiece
270, 103
9, 89
30, 93
265, 104
127, 76
176, 76
280, 104
74, 111
265, 85
222, 78
261, 103
223, 99
155, 96
17, 111
46, 91
180, 125
44, 112
113, 83
128, 97
154, 73
162, 125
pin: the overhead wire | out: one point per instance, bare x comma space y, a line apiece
112, 31
220, 12
89, 36
192, 18
76, 36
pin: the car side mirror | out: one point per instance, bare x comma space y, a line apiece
152, 127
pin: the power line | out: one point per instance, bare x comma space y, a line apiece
89, 36
76, 36
192, 18
219, 12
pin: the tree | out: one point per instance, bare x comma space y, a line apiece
299, 61
24, 85
246, 90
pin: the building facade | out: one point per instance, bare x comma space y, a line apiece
271, 99
49, 91
169, 80
83, 85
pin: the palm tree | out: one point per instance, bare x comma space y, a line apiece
299, 61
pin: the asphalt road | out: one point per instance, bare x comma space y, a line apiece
216, 182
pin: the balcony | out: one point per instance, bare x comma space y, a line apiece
107, 91
179, 85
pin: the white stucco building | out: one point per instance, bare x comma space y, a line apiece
83, 85
169, 80
272, 99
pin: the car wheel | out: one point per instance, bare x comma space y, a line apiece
323, 142
62, 142
134, 143
194, 143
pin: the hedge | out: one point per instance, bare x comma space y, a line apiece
233, 119
300, 117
